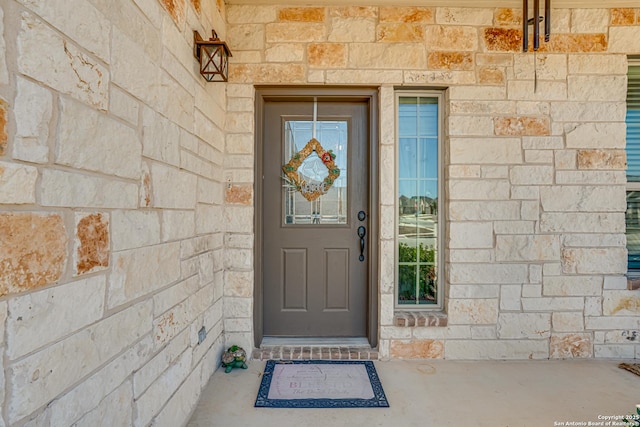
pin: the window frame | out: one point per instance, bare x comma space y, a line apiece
632, 61
440, 229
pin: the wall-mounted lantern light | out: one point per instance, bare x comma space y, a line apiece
213, 55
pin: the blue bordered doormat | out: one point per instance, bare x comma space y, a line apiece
321, 384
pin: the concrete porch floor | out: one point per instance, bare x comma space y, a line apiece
445, 393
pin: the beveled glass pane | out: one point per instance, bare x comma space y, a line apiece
407, 289
331, 207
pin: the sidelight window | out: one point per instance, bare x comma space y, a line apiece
633, 166
419, 188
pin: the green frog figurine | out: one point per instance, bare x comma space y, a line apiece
234, 357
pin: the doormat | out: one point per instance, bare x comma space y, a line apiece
321, 384
631, 367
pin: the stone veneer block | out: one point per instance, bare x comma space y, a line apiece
327, 55
33, 252
570, 346
496, 349
364, 76
17, 183
491, 75
47, 315
484, 211
502, 39
594, 260
353, 11
423, 15
424, 349
46, 374
355, 30
567, 322
93, 141
3, 125
267, 73
41, 50
246, 37
285, 52
567, 286
92, 242
507, 17
61, 188
440, 77
567, 198
590, 20
623, 16
524, 325
32, 111
176, 9
527, 248
71, 17
470, 235
87, 395
597, 88
383, 55
588, 111
161, 138
598, 64
141, 271
172, 187
135, 228
575, 222
295, 32
450, 61
499, 273
473, 311
595, 135
239, 194
621, 303
464, 16
4, 73
400, 33
459, 38
578, 43
487, 189
250, 14
302, 14
602, 159
467, 151
520, 126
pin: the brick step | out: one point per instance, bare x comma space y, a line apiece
283, 352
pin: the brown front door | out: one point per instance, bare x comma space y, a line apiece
314, 263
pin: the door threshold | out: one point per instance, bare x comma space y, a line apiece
315, 342
288, 348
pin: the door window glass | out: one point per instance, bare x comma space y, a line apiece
331, 207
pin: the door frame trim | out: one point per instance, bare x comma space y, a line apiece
335, 93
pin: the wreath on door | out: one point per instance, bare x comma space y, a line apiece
310, 189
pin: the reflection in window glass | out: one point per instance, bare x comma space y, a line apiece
633, 168
418, 174
330, 208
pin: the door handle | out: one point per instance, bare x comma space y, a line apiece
361, 233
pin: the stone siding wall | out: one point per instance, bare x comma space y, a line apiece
535, 177
111, 206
